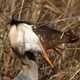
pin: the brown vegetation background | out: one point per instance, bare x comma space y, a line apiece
64, 14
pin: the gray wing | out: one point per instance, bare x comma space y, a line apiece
52, 37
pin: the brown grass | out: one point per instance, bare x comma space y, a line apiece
65, 14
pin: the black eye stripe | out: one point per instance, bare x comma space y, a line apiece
16, 22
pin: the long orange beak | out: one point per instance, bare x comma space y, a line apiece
45, 55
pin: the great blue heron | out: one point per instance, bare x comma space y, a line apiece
24, 37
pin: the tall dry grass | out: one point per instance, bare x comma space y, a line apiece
64, 14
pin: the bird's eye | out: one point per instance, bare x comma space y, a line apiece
30, 55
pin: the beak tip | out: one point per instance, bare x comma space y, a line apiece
52, 66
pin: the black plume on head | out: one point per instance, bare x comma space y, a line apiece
15, 21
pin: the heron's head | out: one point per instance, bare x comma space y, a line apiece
23, 38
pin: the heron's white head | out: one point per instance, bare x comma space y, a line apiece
24, 39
